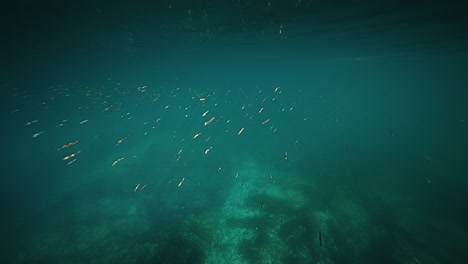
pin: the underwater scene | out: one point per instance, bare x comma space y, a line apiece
234, 131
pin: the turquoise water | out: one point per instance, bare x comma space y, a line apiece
234, 132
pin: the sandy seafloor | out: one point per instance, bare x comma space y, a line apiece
237, 146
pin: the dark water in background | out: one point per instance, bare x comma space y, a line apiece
371, 111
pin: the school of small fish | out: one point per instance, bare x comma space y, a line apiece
114, 105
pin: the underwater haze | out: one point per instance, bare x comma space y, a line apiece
234, 131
